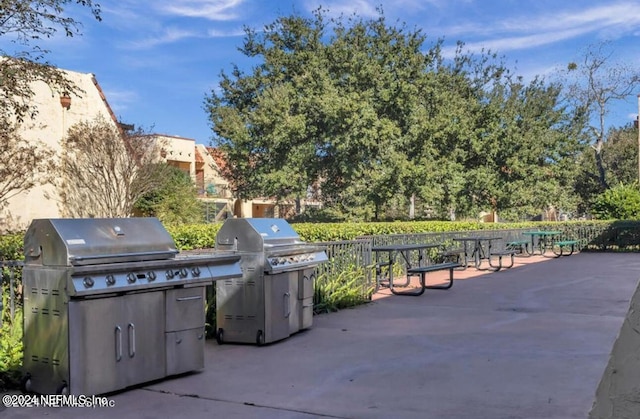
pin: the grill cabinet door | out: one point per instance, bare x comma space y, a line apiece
116, 342
277, 305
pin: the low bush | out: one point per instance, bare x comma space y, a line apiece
10, 345
621, 202
342, 289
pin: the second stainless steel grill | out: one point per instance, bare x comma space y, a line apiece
109, 303
274, 297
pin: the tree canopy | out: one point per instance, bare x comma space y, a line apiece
371, 117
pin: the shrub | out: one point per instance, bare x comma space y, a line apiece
342, 289
618, 203
10, 345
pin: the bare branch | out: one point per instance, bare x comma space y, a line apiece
104, 171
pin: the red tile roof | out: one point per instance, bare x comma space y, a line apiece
199, 158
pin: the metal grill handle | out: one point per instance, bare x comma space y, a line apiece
166, 253
118, 332
196, 297
287, 304
132, 340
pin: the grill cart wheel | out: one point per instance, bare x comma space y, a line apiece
260, 338
63, 389
25, 383
220, 336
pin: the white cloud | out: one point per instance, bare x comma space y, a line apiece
222, 10
215, 33
168, 36
120, 100
520, 33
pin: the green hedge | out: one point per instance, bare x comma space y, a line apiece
349, 231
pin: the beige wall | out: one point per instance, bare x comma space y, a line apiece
179, 152
212, 174
49, 127
52, 123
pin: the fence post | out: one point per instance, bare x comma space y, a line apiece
12, 297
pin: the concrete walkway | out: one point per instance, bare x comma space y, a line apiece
528, 342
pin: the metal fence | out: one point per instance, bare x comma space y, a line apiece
11, 287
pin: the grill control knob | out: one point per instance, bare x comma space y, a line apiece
88, 282
170, 274
195, 271
131, 278
183, 273
151, 276
110, 279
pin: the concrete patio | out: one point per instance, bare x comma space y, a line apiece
527, 342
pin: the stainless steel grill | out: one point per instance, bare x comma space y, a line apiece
110, 303
274, 297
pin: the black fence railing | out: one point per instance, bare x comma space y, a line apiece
11, 287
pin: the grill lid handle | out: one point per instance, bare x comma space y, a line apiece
163, 253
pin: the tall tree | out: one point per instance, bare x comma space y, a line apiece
377, 119
595, 83
328, 113
104, 172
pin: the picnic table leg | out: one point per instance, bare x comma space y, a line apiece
419, 291
466, 254
477, 252
440, 287
500, 265
562, 251
532, 251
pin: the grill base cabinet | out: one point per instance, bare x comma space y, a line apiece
112, 313
256, 310
110, 343
274, 297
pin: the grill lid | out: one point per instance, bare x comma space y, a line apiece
274, 238
90, 241
255, 234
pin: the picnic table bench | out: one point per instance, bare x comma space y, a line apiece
560, 246
500, 254
520, 246
422, 271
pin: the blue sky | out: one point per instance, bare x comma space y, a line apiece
156, 60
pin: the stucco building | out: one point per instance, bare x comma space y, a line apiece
55, 114
58, 112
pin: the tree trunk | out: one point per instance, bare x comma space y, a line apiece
600, 165
412, 207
